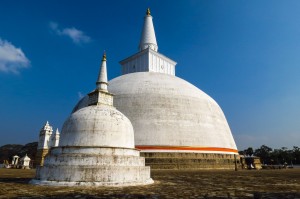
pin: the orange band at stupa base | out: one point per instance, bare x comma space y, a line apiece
187, 148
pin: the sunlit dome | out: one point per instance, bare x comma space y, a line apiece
96, 146
97, 126
168, 114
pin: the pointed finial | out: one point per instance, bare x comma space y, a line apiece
102, 77
47, 123
101, 95
148, 11
104, 56
148, 39
57, 132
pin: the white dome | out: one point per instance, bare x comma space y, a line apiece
100, 126
170, 114
96, 146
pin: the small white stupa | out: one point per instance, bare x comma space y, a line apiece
25, 161
47, 139
96, 146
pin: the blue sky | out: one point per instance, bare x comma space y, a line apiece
244, 54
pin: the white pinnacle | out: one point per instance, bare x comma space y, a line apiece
101, 95
148, 39
102, 77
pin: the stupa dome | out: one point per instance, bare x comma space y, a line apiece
100, 125
170, 114
96, 146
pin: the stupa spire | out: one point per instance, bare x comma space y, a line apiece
148, 39
101, 95
101, 83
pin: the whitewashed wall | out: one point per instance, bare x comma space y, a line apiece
148, 61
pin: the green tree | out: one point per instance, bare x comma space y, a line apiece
296, 155
249, 151
285, 155
264, 152
277, 156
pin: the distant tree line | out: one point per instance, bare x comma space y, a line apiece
274, 156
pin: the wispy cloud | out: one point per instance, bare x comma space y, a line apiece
77, 36
12, 59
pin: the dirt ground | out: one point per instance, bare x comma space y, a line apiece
284, 183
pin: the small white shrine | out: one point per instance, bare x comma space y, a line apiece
25, 162
15, 161
96, 146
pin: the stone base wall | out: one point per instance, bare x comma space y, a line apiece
251, 163
93, 166
189, 160
40, 156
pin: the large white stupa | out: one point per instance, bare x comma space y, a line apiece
173, 120
96, 146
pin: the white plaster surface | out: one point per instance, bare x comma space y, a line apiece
94, 156
148, 39
148, 60
45, 137
96, 149
168, 111
96, 146
105, 173
102, 77
99, 125
25, 161
79, 166
55, 138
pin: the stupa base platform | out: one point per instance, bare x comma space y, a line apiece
182, 161
93, 166
89, 184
